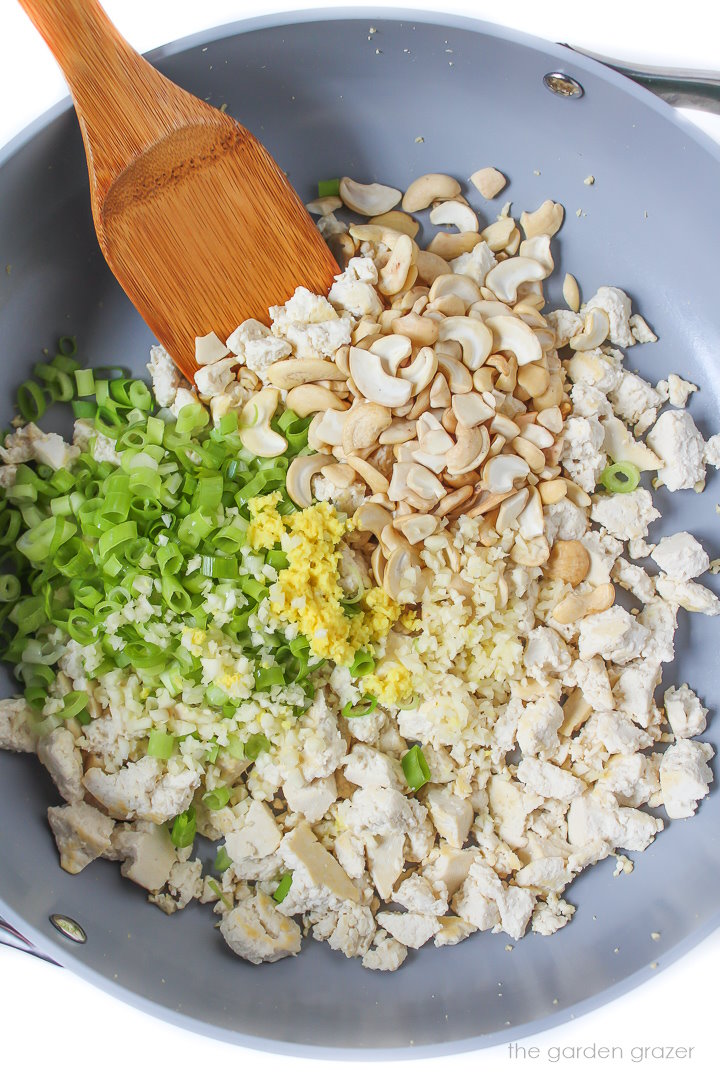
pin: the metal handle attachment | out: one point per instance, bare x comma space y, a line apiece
683, 89
15, 940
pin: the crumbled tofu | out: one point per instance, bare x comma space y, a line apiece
712, 452
313, 798
475, 264
140, 789
30, 443
147, 853
81, 833
451, 815
247, 331
680, 556
164, 375
625, 516
685, 712
215, 378
61, 758
582, 453
678, 443
260, 354
633, 578
367, 767
636, 401
415, 894
302, 851
15, 733
353, 290
538, 727
258, 932
688, 595
452, 931
676, 390
641, 331
685, 776
411, 930
615, 634
565, 324
550, 781
386, 954
617, 306
257, 836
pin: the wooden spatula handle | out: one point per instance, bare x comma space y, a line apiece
124, 105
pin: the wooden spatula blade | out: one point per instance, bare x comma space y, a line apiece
204, 230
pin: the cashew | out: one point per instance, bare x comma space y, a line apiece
454, 500
510, 509
341, 476
475, 338
507, 369
405, 579
421, 403
496, 446
481, 309
417, 527
363, 424
546, 219
378, 562
255, 432
395, 219
453, 212
372, 518
500, 473
497, 235
552, 396
329, 427
470, 450
286, 374
552, 491
533, 379
298, 480
489, 182
342, 247
594, 332
571, 292
431, 266
503, 425
426, 189
569, 561
368, 199
420, 330
424, 483
531, 453
452, 245
505, 278
449, 306
399, 431
483, 380
533, 552
578, 605
394, 274
470, 409
536, 434
324, 205
310, 398
538, 248
531, 521
422, 371
392, 350
439, 392
619, 445
513, 244
458, 377
488, 502
458, 285
374, 383
551, 419
575, 711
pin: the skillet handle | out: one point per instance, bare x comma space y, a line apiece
684, 89
13, 939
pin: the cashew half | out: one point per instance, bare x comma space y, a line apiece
474, 336
569, 561
501, 472
372, 518
374, 383
427, 189
394, 274
594, 332
546, 219
505, 278
431, 266
489, 182
256, 435
392, 350
363, 424
422, 371
470, 450
458, 285
396, 219
538, 248
453, 212
578, 605
497, 235
310, 398
285, 374
368, 199
405, 579
511, 334
298, 480
471, 410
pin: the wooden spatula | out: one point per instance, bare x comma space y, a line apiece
197, 222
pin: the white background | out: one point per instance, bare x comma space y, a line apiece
50, 1020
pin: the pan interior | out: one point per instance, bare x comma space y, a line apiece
328, 98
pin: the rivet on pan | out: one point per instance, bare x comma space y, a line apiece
562, 84
69, 928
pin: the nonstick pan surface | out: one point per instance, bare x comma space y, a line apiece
424, 93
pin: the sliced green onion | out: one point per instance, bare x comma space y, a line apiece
73, 703
85, 382
213, 885
236, 748
621, 477
256, 745
283, 888
217, 798
328, 187
363, 664
222, 861
183, 829
31, 401
161, 745
269, 676
366, 705
415, 767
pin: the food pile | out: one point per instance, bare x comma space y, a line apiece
364, 606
